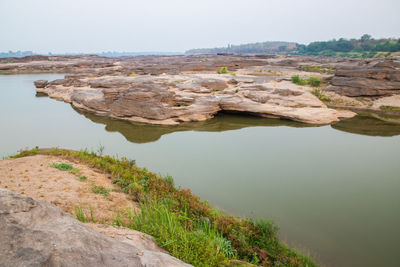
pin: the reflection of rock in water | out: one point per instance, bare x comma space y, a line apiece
367, 125
143, 133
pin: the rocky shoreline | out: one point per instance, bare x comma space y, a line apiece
169, 90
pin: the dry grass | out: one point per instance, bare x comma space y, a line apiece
35, 177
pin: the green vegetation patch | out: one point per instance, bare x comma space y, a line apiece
318, 68
188, 228
313, 81
318, 93
82, 178
389, 108
62, 166
80, 214
223, 70
99, 189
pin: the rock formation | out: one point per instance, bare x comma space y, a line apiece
34, 233
171, 99
173, 89
376, 78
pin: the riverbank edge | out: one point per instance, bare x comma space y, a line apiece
243, 239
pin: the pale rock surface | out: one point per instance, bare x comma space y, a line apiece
34, 233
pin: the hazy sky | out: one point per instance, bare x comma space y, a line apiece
177, 25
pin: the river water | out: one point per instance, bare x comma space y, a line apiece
333, 190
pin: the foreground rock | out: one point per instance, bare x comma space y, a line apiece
172, 99
35, 233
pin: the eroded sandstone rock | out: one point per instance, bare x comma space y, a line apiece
381, 78
34, 233
172, 99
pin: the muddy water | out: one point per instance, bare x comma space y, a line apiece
333, 190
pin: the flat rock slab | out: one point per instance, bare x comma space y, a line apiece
34, 233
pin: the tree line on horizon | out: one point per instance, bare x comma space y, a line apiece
366, 46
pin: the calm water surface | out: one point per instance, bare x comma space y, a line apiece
333, 190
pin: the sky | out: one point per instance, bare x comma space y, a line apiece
67, 26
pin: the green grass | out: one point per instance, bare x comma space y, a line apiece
389, 108
318, 93
185, 226
318, 68
223, 70
80, 214
62, 166
99, 189
82, 178
313, 81
200, 244
66, 167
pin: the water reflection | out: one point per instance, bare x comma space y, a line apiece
370, 124
144, 133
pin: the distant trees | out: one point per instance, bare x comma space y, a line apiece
366, 46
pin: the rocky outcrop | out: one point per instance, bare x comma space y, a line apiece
172, 99
377, 78
34, 233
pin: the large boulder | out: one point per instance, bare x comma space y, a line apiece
34, 233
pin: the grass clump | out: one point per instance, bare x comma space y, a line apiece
82, 178
223, 70
297, 80
62, 166
99, 189
389, 108
197, 244
188, 228
313, 81
26, 153
80, 214
318, 68
66, 167
133, 74
318, 93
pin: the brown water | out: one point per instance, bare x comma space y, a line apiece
333, 190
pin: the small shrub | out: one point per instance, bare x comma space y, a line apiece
133, 74
233, 73
223, 70
82, 178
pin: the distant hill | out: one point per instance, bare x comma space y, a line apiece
252, 48
366, 46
